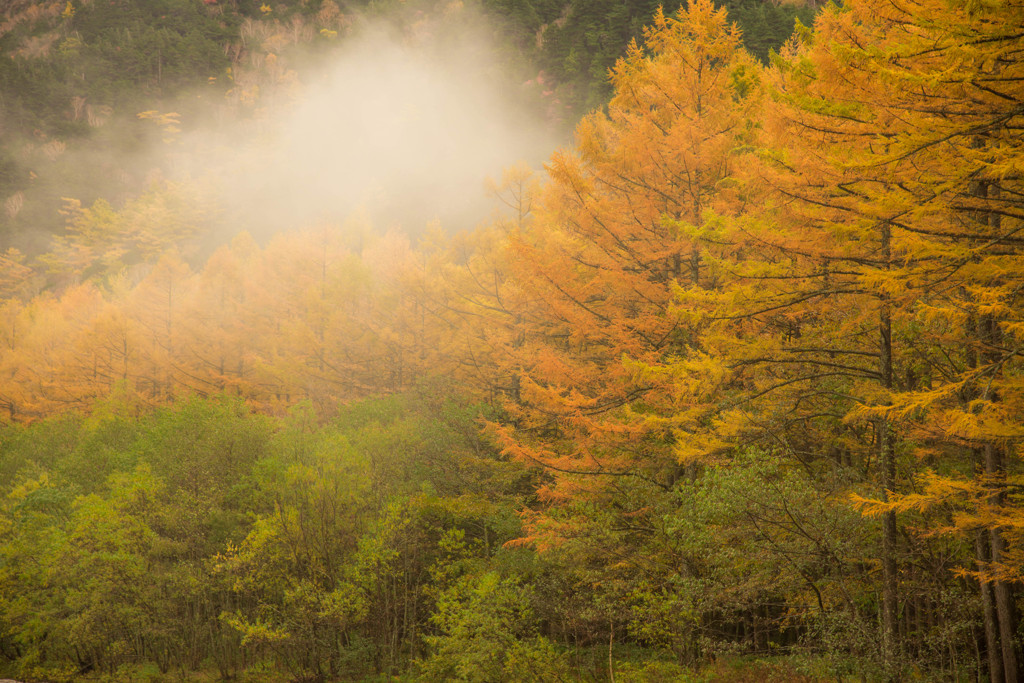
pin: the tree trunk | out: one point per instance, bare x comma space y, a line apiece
890, 604
1005, 611
995, 661
887, 466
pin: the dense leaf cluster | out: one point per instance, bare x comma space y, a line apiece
205, 536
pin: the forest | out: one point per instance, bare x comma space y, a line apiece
728, 387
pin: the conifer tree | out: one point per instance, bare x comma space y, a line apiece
597, 269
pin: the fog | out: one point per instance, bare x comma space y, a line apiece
404, 130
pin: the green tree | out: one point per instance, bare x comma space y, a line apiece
488, 632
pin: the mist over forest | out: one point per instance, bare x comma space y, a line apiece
511, 340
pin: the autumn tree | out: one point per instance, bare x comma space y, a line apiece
629, 217
102, 240
221, 324
598, 267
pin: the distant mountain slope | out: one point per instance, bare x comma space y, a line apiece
575, 42
75, 74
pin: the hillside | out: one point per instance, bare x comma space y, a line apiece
75, 78
729, 388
